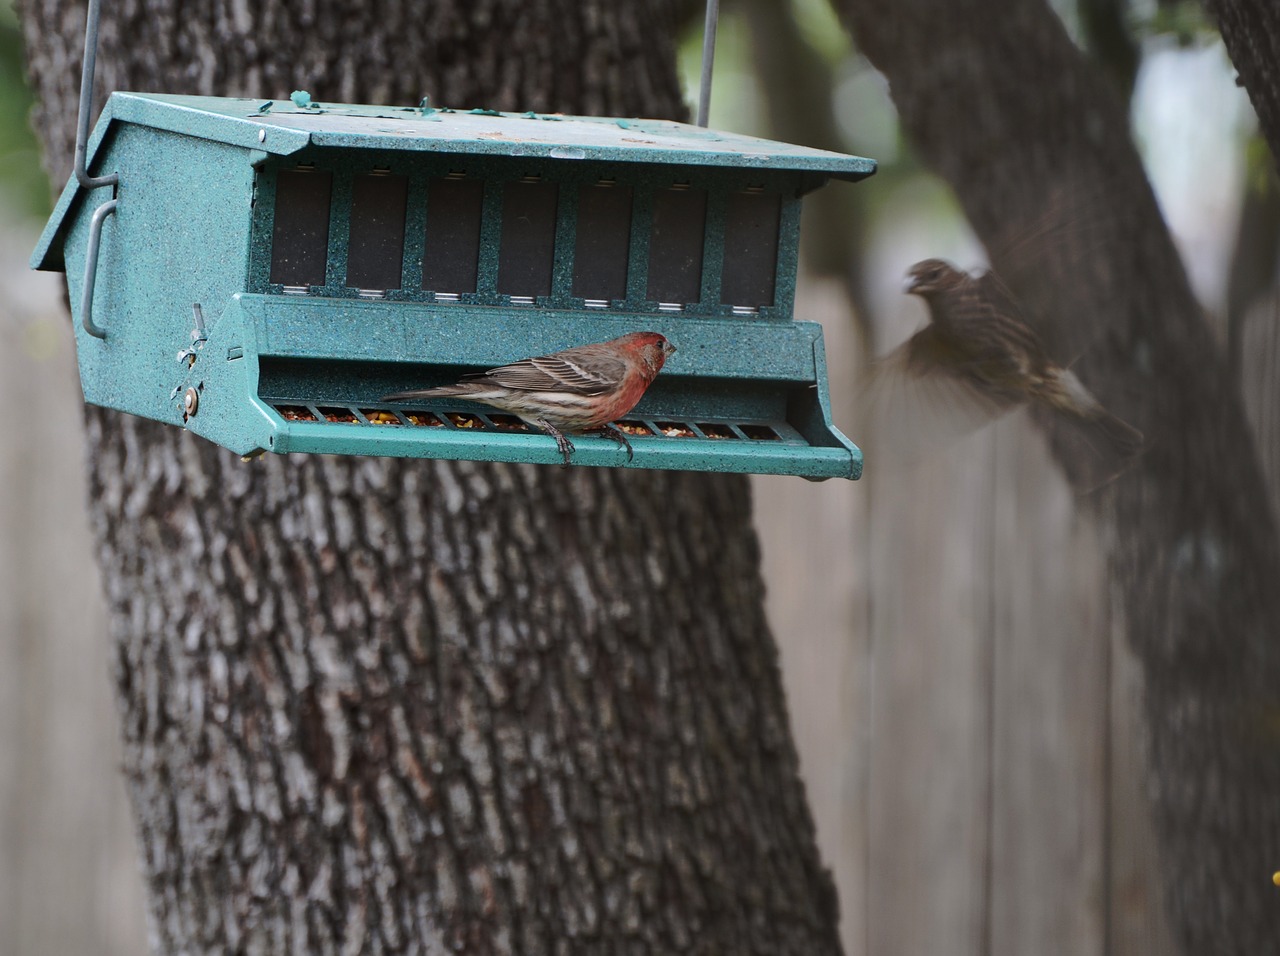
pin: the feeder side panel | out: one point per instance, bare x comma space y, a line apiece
180, 236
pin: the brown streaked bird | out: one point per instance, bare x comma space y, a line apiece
583, 389
981, 359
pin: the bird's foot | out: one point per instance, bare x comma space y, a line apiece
610, 430
562, 440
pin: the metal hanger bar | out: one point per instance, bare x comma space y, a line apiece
708, 58
86, 102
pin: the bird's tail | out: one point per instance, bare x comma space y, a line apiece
461, 390
1100, 447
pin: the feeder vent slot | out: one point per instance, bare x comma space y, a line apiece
528, 238
300, 235
751, 224
452, 251
376, 248
675, 245
603, 243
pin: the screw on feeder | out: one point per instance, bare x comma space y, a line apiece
190, 403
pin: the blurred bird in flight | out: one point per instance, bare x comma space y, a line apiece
977, 359
581, 389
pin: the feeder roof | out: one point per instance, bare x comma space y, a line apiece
546, 135
282, 127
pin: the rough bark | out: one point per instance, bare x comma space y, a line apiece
1000, 103
1251, 31
386, 706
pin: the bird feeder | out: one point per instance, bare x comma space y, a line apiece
261, 272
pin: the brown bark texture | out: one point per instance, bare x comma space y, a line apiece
1251, 31
1000, 103
377, 706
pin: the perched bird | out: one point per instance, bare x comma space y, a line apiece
582, 389
980, 359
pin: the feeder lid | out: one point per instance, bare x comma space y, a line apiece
282, 127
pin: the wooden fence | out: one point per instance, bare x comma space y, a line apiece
965, 708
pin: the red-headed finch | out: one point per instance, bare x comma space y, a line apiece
977, 358
582, 389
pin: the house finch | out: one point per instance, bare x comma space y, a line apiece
582, 389
982, 359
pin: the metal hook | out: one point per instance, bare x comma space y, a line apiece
708, 58
86, 103
91, 268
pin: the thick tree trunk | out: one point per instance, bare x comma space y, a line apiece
1251, 31
1002, 105
387, 706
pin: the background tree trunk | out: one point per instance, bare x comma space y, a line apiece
1251, 32
388, 706
1003, 107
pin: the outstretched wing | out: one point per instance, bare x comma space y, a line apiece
1045, 249
923, 395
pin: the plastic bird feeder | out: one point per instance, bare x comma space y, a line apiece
261, 272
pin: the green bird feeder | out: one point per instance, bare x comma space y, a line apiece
261, 272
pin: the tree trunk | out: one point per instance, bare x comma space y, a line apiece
395, 706
1005, 109
1251, 32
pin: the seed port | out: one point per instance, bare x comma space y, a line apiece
378, 416
295, 413
676, 430
463, 420
427, 419
345, 415
635, 429
716, 430
760, 433
508, 423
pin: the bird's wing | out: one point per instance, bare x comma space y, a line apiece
921, 396
567, 371
1045, 247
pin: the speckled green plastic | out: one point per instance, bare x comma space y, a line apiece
194, 225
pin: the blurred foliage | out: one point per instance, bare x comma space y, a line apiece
1185, 21
1260, 165
24, 188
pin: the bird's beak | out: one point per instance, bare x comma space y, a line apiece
909, 284
668, 349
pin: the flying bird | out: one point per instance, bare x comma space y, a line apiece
582, 389
978, 358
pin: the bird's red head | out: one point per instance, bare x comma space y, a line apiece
933, 276
651, 348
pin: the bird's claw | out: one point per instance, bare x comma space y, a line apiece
562, 440
610, 430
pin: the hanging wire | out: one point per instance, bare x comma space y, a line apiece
708, 58
86, 102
